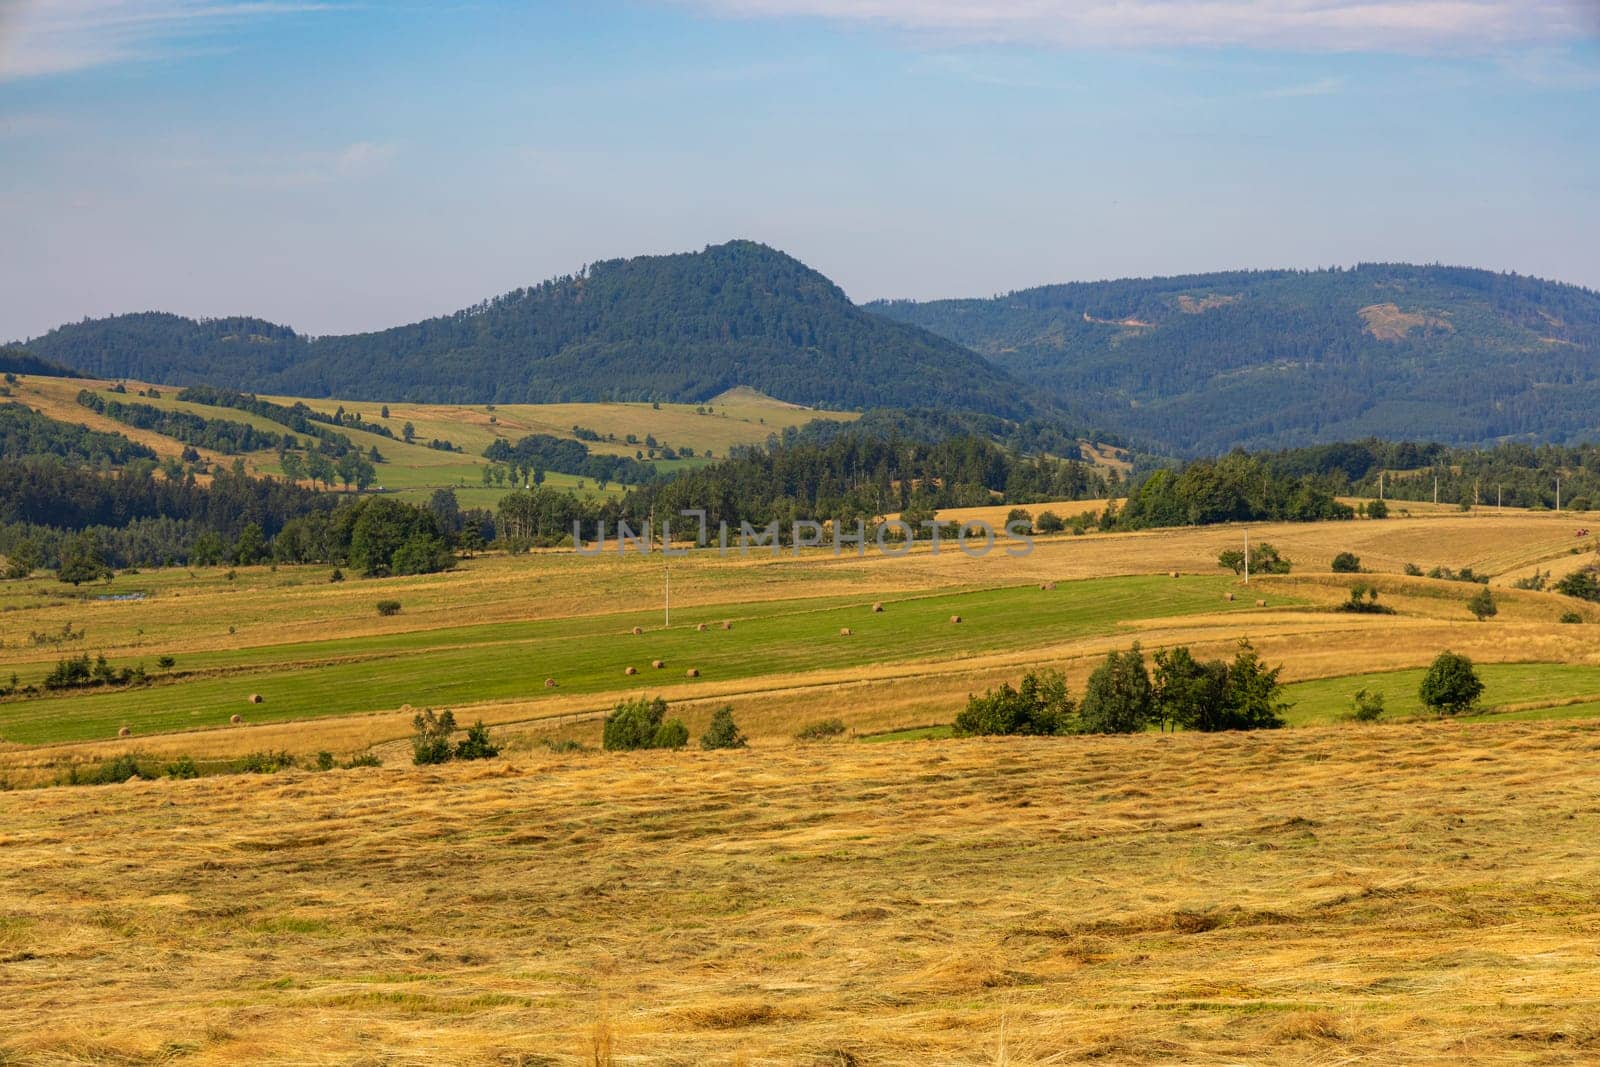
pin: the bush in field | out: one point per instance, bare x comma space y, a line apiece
182, 767
1048, 522
1265, 559
1377, 509
1581, 584
1214, 695
1482, 604
1040, 706
1451, 685
267, 762
822, 730
642, 723
722, 732
1347, 563
1571, 617
388, 607
1118, 698
432, 741
1364, 601
477, 745
1366, 706
1233, 559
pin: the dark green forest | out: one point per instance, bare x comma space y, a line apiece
670, 328
1268, 359
24, 433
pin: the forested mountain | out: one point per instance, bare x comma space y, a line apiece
680, 327
15, 360
1203, 363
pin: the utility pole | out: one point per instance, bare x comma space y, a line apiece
669, 594
1499, 500
1380, 485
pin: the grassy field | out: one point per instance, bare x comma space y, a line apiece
1400, 895
740, 417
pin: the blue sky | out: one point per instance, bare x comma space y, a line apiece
342, 166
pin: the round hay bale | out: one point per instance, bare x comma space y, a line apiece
631, 671
955, 618
700, 628
236, 719
255, 698
844, 631
637, 630
658, 663
1261, 603
1047, 585
549, 683
1175, 574
692, 672
727, 624
877, 609
125, 732
1227, 596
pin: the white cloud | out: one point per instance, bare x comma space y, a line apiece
1314, 25
39, 37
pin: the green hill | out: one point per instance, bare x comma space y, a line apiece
670, 328
1207, 362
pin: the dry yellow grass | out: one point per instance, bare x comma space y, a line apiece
1411, 894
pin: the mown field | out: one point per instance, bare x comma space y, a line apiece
1415, 891
1397, 895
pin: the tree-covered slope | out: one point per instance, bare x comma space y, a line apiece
679, 327
1206, 362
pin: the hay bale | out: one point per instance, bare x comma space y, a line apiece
549, 683
255, 698
1227, 597
236, 719
1261, 603
1047, 586
692, 672
700, 628
727, 624
125, 732
1175, 574
658, 663
844, 631
637, 630
631, 671
877, 609
955, 618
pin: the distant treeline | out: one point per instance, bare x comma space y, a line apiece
1522, 475
542, 452
298, 417
1236, 488
929, 426
24, 433
218, 435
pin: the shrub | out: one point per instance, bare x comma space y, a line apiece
166, 663
1040, 706
1214, 695
1264, 559
1364, 601
325, 761
1571, 616
1347, 563
121, 769
365, 759
1377, 509
566, 744
267, 762
477, 745
1366, 706
1233, 559
1118, 698
1482, 604
1581, 584
336, 576
722, 733
1451, 685
1413, 570
388, 607
821, 730
1048, 522
642, 723
432, 741
182, 767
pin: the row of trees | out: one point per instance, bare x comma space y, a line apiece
1123, 696
25, 433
